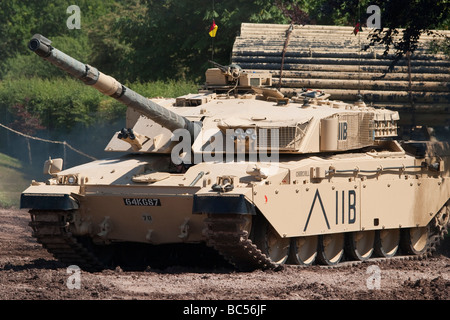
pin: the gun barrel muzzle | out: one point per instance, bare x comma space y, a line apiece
40, 45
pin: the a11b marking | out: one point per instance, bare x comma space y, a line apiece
344, 199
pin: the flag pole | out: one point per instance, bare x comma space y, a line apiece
212, 48
212, 38
212, 33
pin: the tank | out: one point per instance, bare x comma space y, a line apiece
240, 169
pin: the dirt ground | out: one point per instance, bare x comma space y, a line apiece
28, 272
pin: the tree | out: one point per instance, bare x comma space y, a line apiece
20, 20
403, 21
168, 38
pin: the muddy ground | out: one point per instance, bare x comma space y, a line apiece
28, 272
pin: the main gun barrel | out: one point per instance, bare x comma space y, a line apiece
111, 87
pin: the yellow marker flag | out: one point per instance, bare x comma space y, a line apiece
213, 29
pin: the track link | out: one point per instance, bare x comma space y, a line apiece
51, 229
225, 234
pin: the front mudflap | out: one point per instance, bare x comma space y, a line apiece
47, 202
49, 197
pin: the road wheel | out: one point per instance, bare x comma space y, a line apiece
331, 248
415, 241
304, 250
360, 244
387, 242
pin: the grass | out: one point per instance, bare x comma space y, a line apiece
12, 181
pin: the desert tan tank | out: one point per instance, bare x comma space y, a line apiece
262, 178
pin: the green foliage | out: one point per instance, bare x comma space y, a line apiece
166, 39
166, 89
21, 19
112, 50
61, 104
58, 103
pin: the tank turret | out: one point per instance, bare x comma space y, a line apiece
111, 87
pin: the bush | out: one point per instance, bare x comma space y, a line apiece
166, 89
58, 103
61, 104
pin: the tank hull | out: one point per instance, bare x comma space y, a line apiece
302, 197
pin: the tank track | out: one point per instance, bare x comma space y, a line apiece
438, 229
226, 235
51, 229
